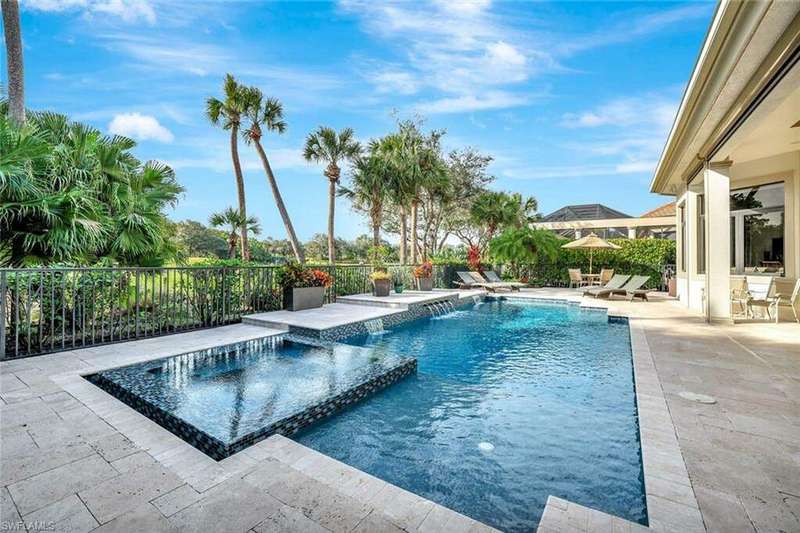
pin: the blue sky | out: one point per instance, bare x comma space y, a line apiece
573, 100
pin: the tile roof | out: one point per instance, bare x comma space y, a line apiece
584, 212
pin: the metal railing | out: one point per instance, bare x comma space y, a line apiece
53, 309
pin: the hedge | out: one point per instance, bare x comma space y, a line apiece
646, 257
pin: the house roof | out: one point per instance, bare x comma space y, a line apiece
666, 210
584, 212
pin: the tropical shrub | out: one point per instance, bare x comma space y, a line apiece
71, 194
518, 246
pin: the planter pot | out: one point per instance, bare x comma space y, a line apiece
297, 299
381, 287
399, 289
425, 284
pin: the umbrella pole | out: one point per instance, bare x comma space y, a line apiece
591, 251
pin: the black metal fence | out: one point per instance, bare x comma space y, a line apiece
53, 309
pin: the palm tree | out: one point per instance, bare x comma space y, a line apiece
236, 223
327, 146
369, 188
228, 114
495, 210
16, 82
268, 114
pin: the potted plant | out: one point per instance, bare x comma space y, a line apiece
381, 282
381, 279
399, 286
424, 276
303, 288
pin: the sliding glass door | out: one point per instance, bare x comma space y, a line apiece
757, 230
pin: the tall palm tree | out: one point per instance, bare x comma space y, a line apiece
369, 188
228, 114
235, 222
327, 146
268, 114
16, 82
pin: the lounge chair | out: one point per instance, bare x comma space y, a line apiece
490, 285
615, 282
739, 297
632, 289
492, 277
468, 281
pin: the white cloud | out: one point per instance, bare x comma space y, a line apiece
279, 159
652, 110
127, 10
470, 102
461, 50
394, 82
139, 127
579, 171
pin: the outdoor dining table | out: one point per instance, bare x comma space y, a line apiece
594, 279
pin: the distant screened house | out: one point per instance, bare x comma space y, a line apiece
576, 221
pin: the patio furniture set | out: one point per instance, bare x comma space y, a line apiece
767, 293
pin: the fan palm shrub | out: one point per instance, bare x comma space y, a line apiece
68, 193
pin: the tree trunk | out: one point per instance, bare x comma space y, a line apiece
237, 170
375, 214
403, 236
232, 245
298, 251
414, 206
16, 82
331, 207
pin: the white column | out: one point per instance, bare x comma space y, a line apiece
717, 188
631, 233
578, 234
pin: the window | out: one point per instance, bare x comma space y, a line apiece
682, 213
701, 234
757, 229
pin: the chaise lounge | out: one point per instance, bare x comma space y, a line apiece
616, 282
492, 277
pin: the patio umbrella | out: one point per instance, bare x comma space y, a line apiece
590, 242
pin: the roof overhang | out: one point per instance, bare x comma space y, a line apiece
749, 58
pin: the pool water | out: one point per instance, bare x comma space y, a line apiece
229, 393
512, 402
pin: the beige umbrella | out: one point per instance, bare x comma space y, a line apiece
590, 242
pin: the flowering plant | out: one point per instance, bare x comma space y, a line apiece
295, 276
474, 259
380, 275
425, 270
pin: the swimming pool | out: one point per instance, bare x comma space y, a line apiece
512, 402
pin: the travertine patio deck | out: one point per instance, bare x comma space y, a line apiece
74, 458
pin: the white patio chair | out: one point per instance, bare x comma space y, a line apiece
762, 294
788, 293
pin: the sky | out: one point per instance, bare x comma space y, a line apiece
573, 100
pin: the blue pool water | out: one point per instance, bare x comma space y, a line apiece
512, 402
228, 395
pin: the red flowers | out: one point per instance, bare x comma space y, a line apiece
425, 270
474, 259
320, 279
